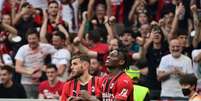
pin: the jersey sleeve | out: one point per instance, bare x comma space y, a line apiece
124, 89
65, 91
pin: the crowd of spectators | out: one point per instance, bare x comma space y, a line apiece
51, 48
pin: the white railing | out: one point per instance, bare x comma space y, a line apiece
26, 100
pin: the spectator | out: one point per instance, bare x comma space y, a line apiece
8, 33
69, 13
30, 62
62, 57
117, 85
116, 8
138, 7
51, 88
153, 50
24, 21
9, 88
171, 68
96, 68
188, 84
51, 23
145, 30
81, 79
196, 57
43, 4
1, 5
54, 18
128, 39
196, 20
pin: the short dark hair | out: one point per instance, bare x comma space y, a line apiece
82, 57
169, 8
101, 4
188, 79
8, 68
123, 53
32, 31
49, 66
53, 2
59, 34
182, 31
25, 4
128, 31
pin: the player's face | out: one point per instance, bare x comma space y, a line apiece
113, 59
94, 66
76, 67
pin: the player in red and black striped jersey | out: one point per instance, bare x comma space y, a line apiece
117, 86
82, 80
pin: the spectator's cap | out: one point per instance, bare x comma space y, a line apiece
190, 79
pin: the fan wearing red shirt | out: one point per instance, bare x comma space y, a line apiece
117, 86
51, 88
116, 8
81, 80
53, 20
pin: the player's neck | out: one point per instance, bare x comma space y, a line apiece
85, 78
116, 71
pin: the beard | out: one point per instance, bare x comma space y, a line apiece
94, 72
75, 75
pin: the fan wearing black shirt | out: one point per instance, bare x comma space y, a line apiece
8, 88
